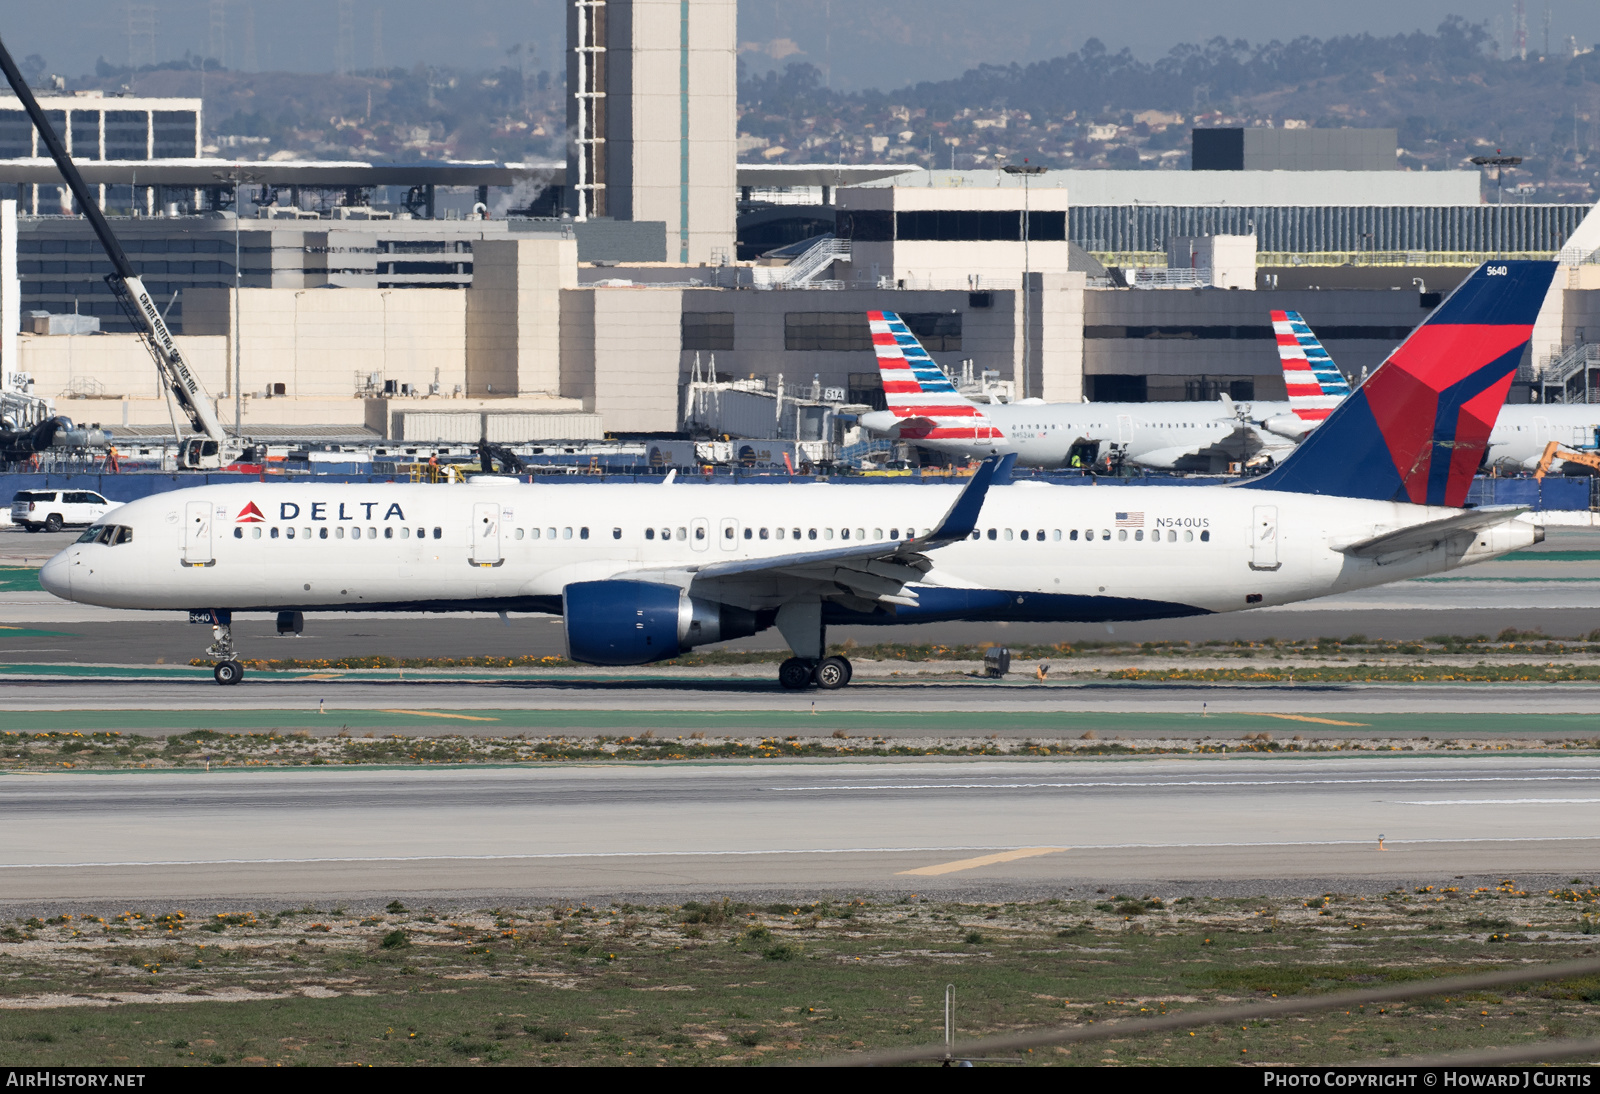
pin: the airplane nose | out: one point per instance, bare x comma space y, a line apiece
56, 576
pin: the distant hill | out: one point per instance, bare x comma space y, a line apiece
1447, 93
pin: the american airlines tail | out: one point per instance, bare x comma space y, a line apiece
1315, 384
1417, 429
918, 392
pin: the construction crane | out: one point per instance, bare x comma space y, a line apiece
1553, 450
214, 448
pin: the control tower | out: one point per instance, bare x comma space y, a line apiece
653, 118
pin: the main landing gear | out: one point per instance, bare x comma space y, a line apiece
830, 673
227, 670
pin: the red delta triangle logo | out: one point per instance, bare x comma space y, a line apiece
249, 515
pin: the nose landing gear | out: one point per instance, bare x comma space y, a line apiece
227, 670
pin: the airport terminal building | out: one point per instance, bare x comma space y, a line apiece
384, 297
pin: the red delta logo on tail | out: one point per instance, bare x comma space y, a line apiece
249, 515
1416, 431
918, 392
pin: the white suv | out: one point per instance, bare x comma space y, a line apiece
53, 510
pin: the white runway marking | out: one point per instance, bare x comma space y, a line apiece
1509, 801
778, 851
1263, 783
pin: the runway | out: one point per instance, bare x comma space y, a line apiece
823, 827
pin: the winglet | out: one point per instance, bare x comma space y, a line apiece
962, 517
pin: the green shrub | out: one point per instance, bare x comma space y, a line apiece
395, 940
783, 951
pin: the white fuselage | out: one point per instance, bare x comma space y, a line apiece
1523, 429
1191, 436
1042, 552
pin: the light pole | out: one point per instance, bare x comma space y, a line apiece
1499, 163
236, 176
1027, 172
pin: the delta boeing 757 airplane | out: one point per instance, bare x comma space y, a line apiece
641, 573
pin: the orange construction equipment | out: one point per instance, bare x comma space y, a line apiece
1554, 449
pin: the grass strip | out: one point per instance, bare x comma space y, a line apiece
717, 980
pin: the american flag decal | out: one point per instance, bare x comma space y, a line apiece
1130, 520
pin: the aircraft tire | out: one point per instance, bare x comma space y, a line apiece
795, 674
833, 673
228, 673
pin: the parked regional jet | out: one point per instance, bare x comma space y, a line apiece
1316, 386
924, 407
642, 572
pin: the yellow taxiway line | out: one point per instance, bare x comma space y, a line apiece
983, 860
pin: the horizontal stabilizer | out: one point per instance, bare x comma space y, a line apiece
1423, 537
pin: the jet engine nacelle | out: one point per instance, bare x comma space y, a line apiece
637, 622
1291, 426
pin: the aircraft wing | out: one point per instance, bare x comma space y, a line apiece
864, 573
1422, 537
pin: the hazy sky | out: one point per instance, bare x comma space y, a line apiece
860, 43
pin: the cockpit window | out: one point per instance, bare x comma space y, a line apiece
109, 534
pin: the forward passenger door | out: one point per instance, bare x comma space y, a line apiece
197, 549
486, 534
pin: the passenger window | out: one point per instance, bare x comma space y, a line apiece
322, 533
1188, 537
288, 533
1172, 537
305, 532
1137, 535
812, 534
518, 533
877, 533
683, 533
274, 533
1105, 533
1024, 534
438, 533
1040, 536
238, 533
764, 533
795, 534
994, 533
649, 533
616, 533
255, 533
566, 533
1008, 535
1074, 534
727, 533
583, 533
894, 533
338, 533
1056, 535
1205, 537
355, 533
549, 533
388, 533
844, 533
778, 532
977, 534
699, 531
749, 533
861, 533
827, 533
